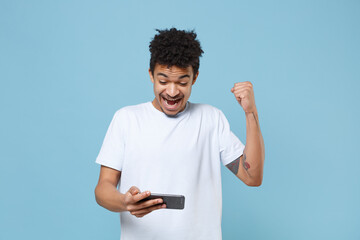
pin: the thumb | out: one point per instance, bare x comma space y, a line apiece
134, 190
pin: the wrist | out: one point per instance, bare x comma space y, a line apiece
121, 200
252, 118
251, 111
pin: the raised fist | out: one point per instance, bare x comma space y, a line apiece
244, 94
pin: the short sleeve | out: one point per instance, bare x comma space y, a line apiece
230, 146
112, 150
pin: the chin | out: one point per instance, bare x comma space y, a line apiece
169, 113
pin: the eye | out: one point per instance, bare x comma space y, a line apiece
162, 82
183, 84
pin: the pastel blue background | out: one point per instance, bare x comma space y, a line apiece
67, 66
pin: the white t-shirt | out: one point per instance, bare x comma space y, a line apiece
172, 155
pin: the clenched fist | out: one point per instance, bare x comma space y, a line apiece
244, 94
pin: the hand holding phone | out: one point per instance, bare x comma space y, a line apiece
134, 202
172, 201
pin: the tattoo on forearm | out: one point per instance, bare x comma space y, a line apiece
246, 165
234, 166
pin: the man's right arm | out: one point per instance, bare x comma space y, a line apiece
106, 193
108, 196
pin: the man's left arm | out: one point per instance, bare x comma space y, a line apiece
249, 166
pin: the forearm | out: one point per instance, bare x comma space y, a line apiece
254, 153
109, 197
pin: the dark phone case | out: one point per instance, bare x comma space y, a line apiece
171, 201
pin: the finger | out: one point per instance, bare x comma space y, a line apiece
244, 84
240, 95
134, 190
242, 89
141, 196
240, 84
148, 210
149, 203
140, 215
144, 204
245, 91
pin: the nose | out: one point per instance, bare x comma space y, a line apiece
172, 90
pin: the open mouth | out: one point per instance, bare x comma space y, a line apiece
172, 104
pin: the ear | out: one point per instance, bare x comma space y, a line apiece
195, 77
151, 76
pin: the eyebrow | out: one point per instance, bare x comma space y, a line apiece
181, 77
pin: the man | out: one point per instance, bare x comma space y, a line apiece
173, 146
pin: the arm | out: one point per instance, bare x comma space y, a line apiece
107, 195
249, 166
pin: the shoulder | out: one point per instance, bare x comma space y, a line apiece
205, 109
131, 110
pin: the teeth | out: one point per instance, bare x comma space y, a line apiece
166, 101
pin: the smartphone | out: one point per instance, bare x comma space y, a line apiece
172, 201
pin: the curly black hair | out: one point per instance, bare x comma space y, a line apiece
175, 48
